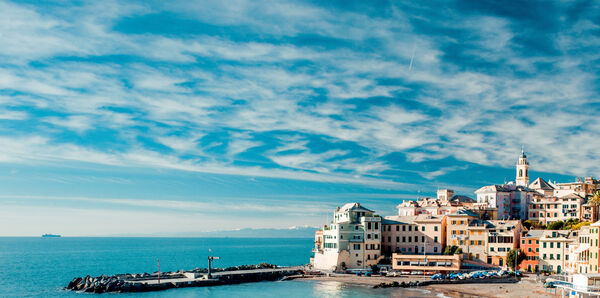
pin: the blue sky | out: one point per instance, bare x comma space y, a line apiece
149, 117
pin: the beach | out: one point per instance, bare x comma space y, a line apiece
527, 287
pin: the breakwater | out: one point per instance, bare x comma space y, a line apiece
145, 282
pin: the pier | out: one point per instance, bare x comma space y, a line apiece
127, 283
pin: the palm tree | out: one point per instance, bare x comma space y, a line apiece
595, 199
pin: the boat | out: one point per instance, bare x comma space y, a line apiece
50, 236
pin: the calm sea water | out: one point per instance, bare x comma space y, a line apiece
41, 267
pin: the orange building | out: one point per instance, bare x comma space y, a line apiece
530, 246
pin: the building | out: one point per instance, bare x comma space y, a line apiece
554, 250
503, 235
593, 250
510, 200
413, 234
438, 263
530, 246
446, 202
579, 253
589, 212
522, 170
457, 228
352, 240
551, 209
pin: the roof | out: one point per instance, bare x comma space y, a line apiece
411, 219
503, 223
572, 196
559, 234
502, 188
354, 207
463, 212
540, 183
534, 234
462, 199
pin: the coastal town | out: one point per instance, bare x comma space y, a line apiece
539, 227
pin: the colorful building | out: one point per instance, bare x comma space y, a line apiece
550, 209
554, 250
352, 240
530, 246
413, 234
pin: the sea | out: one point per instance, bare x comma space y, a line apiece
42, 267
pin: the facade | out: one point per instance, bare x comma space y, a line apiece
352, 240
503, 235
522, 170
413, 234
551, 209
530, 246
554, 250
589, 213
510, 200
445, 203
579, 253
593, 250
457, 228
440, 263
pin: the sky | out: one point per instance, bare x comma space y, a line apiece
151, 117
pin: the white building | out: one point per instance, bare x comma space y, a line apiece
352, 240
510, 199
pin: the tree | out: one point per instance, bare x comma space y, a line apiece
557, 225
595, 199
452, 250
511, 255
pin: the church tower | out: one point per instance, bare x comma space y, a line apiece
523, 170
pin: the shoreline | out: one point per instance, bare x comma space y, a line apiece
526, 288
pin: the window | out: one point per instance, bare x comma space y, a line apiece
376, 226
403, 239
551, 244
435, 228
454, 222
558, 245
453, 232
368, 225
544, 257
409, 228
376, 236
544, 244
416, 238
529, 241
397, 238
422, 238
523, 241
472, 242
435, 248
537, 249
423, 229
389, 239
403, 228
491, 249
461, 242
435, 239
397, 228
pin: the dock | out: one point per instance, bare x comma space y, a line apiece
150, 282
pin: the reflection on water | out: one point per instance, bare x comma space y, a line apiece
339, 289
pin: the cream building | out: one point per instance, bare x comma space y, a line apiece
421, 234
352, 240
593, 254
554, 249
503, 235
551, 209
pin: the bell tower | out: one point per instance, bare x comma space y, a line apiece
522, 170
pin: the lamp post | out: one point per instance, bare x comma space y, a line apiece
158, 260
210, 260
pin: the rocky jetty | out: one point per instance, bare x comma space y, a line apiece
145, 282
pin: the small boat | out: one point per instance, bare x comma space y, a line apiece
50, 236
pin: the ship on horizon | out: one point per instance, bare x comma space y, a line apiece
50, 236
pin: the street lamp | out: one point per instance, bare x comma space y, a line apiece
210, 259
